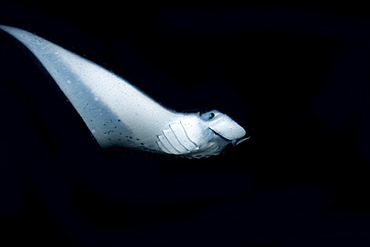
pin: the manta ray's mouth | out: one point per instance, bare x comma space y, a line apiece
234, 141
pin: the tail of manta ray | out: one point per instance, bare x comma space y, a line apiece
118, 114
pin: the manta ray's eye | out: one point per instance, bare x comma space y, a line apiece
207, 116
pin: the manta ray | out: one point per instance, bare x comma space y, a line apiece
119, 114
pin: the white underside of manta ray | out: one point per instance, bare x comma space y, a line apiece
118, 114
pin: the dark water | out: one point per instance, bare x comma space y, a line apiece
296, 76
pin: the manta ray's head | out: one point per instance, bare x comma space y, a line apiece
222, 125
211, 132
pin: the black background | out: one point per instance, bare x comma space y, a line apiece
296, 76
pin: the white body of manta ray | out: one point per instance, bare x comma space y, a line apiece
118, 114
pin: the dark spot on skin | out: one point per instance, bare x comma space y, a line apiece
137, 139
119, 120
141, 143
115, 127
